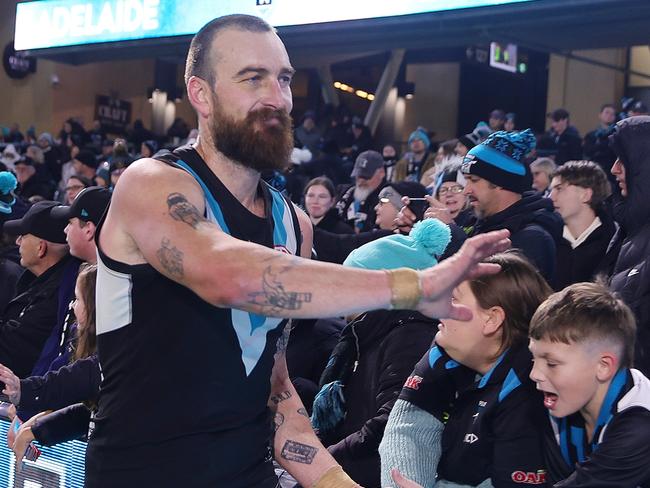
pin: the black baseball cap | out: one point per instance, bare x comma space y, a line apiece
40, 222
89, 205
367, 163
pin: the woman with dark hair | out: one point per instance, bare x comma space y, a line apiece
469, 414
320, 197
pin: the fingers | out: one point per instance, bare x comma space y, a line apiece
460, 312
401, 481
482, 269
479, 247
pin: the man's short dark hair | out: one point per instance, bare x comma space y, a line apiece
586, 311
586, 174
198, 56
607, 105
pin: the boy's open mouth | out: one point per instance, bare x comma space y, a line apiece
550, 399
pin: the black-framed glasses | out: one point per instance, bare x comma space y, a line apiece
454, 190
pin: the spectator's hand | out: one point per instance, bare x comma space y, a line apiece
401, 481
24, 437
12, 384
439, 281
405, 218
437, 210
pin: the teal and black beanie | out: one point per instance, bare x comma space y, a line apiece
500, 159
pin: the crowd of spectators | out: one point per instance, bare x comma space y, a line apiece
575, 208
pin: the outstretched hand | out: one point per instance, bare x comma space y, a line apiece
439, 281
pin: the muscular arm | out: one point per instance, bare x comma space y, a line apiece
296, 447
164, 226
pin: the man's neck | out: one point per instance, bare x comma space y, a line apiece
241, 181
577, 224
506, 200
44, 265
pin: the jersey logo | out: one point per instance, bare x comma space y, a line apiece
468, 162
470, 438
529, 478
413, 382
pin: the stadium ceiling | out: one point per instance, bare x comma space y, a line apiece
554, 26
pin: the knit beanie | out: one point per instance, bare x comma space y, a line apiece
422, 135
500, 159
418, 250
8, 184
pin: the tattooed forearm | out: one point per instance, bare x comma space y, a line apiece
170, 258
297, 452
283, 340
274, 298
181, 209
278, 420
280, 397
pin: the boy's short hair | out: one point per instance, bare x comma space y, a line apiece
586, 311
586, 174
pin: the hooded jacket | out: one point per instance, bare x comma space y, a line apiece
375, 355
535, 229
630, 277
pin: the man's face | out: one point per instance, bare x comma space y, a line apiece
24, 172
418, 146
480, 193
496, 123
559, 126
76, 236
371, 183
607, 116
29, 248
308, 124
250, 120
567, 199
566, 374
388, 152
618, 170
540, 180
43, 142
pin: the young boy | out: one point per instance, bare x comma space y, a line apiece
582, 341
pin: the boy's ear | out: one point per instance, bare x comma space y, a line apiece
607, 367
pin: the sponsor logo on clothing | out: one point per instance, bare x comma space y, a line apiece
470, 438
413, 382
529, 478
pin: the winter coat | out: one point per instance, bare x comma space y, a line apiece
588, 259
385, 346
363, 218
332, 223
28, 319
631, 274
535, 229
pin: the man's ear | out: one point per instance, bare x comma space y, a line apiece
42, 248
89, 230
199, 93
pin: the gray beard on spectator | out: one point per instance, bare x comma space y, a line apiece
360, 194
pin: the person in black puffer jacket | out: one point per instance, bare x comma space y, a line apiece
630, 277
374, 356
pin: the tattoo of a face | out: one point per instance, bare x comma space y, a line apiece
278, 420
274, 298
170, 258
280, 397
303, 412
181, 209
297, 452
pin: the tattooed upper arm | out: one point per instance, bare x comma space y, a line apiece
182, 210
171, 259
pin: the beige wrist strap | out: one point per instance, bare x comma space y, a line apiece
335, 477
405, 288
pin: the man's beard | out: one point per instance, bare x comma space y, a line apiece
251, 142
361, 193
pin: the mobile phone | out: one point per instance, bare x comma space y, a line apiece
32, 452
418, 206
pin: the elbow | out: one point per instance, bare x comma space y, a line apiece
227, 292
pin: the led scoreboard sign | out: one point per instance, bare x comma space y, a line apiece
59, 23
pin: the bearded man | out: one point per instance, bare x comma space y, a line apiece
192, 291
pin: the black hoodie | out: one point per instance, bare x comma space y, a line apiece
631, 274
535, 229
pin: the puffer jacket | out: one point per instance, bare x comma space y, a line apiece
630, 277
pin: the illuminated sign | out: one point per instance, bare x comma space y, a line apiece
57, 23
503, 56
